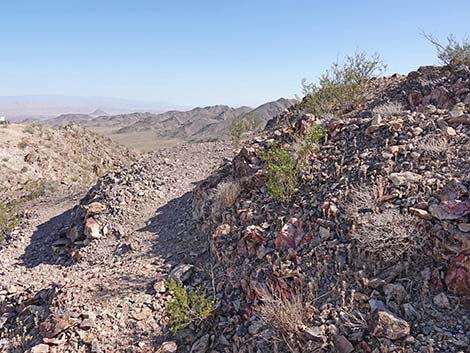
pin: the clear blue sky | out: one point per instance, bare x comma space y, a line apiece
207, 52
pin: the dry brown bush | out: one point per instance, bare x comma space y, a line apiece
389, 236
289, 317
362, 199
434, 144
388, 109
225, 196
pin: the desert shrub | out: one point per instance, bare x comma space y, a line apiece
225, 196
240, 125
22, 144
186, 308
343, 86
9, 219
309, 143
452, 53
363, 199
281, 172
29, 130
283, 167
388, 109
37, 188
287, 316
434, 144
388, 236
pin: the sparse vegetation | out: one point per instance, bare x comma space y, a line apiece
343, 86
225, 196
452, 53
23, 144
364, 199
9, 219
388, 236
29, 130
186, 307
281, 171
283, 167
288, 316
240, 125
388, 109
434, 144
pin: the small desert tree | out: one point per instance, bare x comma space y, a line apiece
240, 125
343, 86
452, 53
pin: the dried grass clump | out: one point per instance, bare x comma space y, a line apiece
389, 236
388, 109
434, 144
225, 196
289, 317
363, 199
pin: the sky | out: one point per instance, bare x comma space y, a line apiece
199, 53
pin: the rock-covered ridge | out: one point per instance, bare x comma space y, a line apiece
405, 171
39, 155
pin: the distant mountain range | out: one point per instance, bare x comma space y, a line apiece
198, 124
41, 107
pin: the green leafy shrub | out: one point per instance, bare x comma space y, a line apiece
452, 53
343, 86
240, 125
281, 171
186, 307
9, 219
283, 168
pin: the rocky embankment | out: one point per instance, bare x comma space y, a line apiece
34, 158
374, 246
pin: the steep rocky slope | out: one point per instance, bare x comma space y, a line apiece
371, 254
35, 157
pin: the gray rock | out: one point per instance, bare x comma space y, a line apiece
167, 347
201, 345
342, 344
181, 272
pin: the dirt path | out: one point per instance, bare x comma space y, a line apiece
106, 301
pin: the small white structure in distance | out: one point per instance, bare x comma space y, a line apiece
3, 120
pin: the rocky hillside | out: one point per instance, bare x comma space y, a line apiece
372, 252
367, 252
33, 158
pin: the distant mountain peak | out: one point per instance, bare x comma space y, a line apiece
98, 112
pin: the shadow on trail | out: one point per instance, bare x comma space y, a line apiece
40, 251
176, 238
177, 241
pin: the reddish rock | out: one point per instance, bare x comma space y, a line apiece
450, 209
423, 214
415, 98
92, 229
291, 235
342, 344
458, 276
386, 324
251, 241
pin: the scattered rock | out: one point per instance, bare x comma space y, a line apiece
40, 348
181, 272
404, 178
168, 347
385, 324
441, 301
201, 345
342, 344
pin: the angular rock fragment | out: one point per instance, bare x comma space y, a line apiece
386, 324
